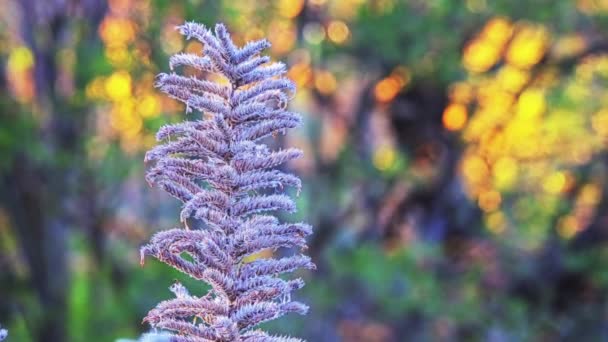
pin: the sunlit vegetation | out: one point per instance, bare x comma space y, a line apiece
534, 129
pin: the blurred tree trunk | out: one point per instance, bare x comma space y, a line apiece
38, 190
42, 235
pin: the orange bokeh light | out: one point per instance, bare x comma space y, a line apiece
325, 82
117, 31
454, 117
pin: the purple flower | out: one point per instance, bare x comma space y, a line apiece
223, 173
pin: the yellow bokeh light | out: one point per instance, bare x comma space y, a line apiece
345, 9
505, 172
490, 200
117, 31
20, 59
290, 8
485, 51
599, 122
531, 104
19, 74
528, 46
496, 222
171, 40
338, 31
384, 157
568, 227
118, 85
325, 82
522, 139
118, 56
475, 169
486, 91
96, 88
300, 73
254, 33
555, 183
512, 78
497, 31
497, 103
479, 56
590, 195
148, 106
493, 144
454, 117
124, 120
282, 34
134, 128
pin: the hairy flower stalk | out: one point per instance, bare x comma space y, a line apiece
223, 173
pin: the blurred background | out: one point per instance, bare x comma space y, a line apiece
454, 171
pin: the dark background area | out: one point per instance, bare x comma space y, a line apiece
454, 171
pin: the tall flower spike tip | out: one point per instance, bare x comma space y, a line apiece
224, 174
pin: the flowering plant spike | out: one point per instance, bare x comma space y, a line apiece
223, 173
